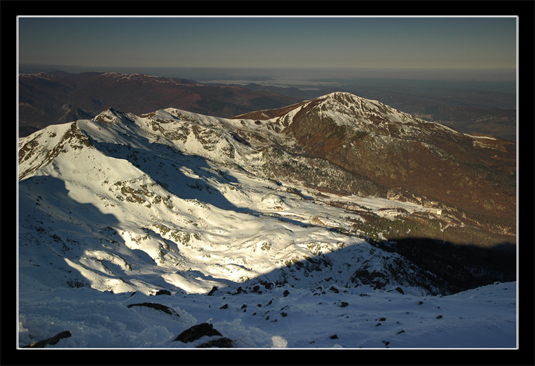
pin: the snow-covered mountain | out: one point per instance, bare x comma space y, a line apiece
180, 203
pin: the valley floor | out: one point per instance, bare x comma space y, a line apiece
283, 317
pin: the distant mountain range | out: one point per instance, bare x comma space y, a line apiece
58, 97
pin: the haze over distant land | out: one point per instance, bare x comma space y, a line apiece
296, 76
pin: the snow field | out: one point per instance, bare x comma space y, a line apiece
304, 318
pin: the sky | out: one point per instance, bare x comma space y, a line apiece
455, 43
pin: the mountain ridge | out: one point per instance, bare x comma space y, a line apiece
368, 147
395, 150
44, 98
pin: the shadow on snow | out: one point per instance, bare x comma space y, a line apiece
435, 266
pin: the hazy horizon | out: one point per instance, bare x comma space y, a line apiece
303, 48
263, 73
427, 81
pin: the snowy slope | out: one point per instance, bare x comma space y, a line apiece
177, 201
184, 212
481, 318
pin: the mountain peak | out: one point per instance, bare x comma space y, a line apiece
358, 109
341, 96
112, 116
342, 103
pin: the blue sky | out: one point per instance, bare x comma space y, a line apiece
280, 42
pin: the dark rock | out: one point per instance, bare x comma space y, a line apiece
52, 340
214, 289
439, 317
239, 291
224, 306
160, 307
343, 304
197, 331
220, 343
334, 336
400, 290
286, 293
334, 289
163, 292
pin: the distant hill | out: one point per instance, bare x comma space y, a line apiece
59, 97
